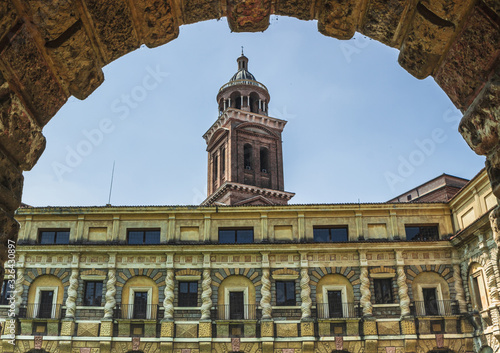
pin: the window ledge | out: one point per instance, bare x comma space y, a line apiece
89, 307
285, 307
385, 305
194, 308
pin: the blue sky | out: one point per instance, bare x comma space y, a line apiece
359, 126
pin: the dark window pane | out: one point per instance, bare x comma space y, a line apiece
227, 236
135, 237
47, 237
412, 232
5, 292
93, 293
152, 237
62, 237
285, 293
383, 291
338, 234
244, 236
188, 294
422, 232
321, 235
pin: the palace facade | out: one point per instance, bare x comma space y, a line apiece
247, 272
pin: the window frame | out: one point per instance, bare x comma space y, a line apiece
419, 225
391, 291
236, 235
86, 282
182, 295
4, 290
143, 230
56, 231
294, 298
330, 237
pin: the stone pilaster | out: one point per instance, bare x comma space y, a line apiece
110, 288
404, 299
305, 289
73, 288
364, 288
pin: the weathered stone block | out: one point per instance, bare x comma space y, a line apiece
150, 329
68, 328
40, 87
425, 43
308, 347
287, 330
248, 16
26, 327
411, 345
352, 328
8, 17
370, 327
52, 328
205, 347
123, 329
371, 346
222, 330
105, 347
186, 330
382, 20
450, 325
167, 329
205, 329
267, 347
307, 328
157, 22
266, 328
77, 63
469, 60
466, 327
114, 27
250, 329
388, 328
301, 9
166, 347
324, 328
424, 326
199, 10
338, 18
52, 18
408, 327
106, 328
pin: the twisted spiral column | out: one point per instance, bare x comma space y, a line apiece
465, 269
206, 295
366, 294
110, 294
305, 294
72, 293
265, 292
459, 289
404, 299
19, 288
490, 275
168, 302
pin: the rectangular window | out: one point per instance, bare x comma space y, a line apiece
93, 293
6, 289
54, 236
422, 232
285, 293
143, 236
188, 294
330, 234
235, 236
383, 290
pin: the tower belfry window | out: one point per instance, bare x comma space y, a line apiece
223, 160
247, 156
216, 167
264, 160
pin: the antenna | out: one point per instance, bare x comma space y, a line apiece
111, 184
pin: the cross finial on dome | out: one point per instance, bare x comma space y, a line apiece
242, 50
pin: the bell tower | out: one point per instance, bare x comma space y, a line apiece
245, 159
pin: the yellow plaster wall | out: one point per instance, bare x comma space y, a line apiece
426, 278
46, 281
333, 280
236, 281
139, 281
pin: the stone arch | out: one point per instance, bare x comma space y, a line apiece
351, 273
45, 282
156, 275
63, 51
259, 127
31, 275
248, 296
444, 271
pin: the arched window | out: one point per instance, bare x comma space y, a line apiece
264, 160
223, 161
247, 156
215, 167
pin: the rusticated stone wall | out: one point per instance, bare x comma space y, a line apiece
50, 50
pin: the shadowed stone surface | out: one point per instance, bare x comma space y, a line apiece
338, 18
301, 9
383, 18
248, 15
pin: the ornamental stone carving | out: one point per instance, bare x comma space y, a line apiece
72, 293
404, 299
110, 294
168, 302
305, 294
206, 295
19, 288
265, 302
366, 294
459, 288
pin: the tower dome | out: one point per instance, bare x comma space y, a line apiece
243, 91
